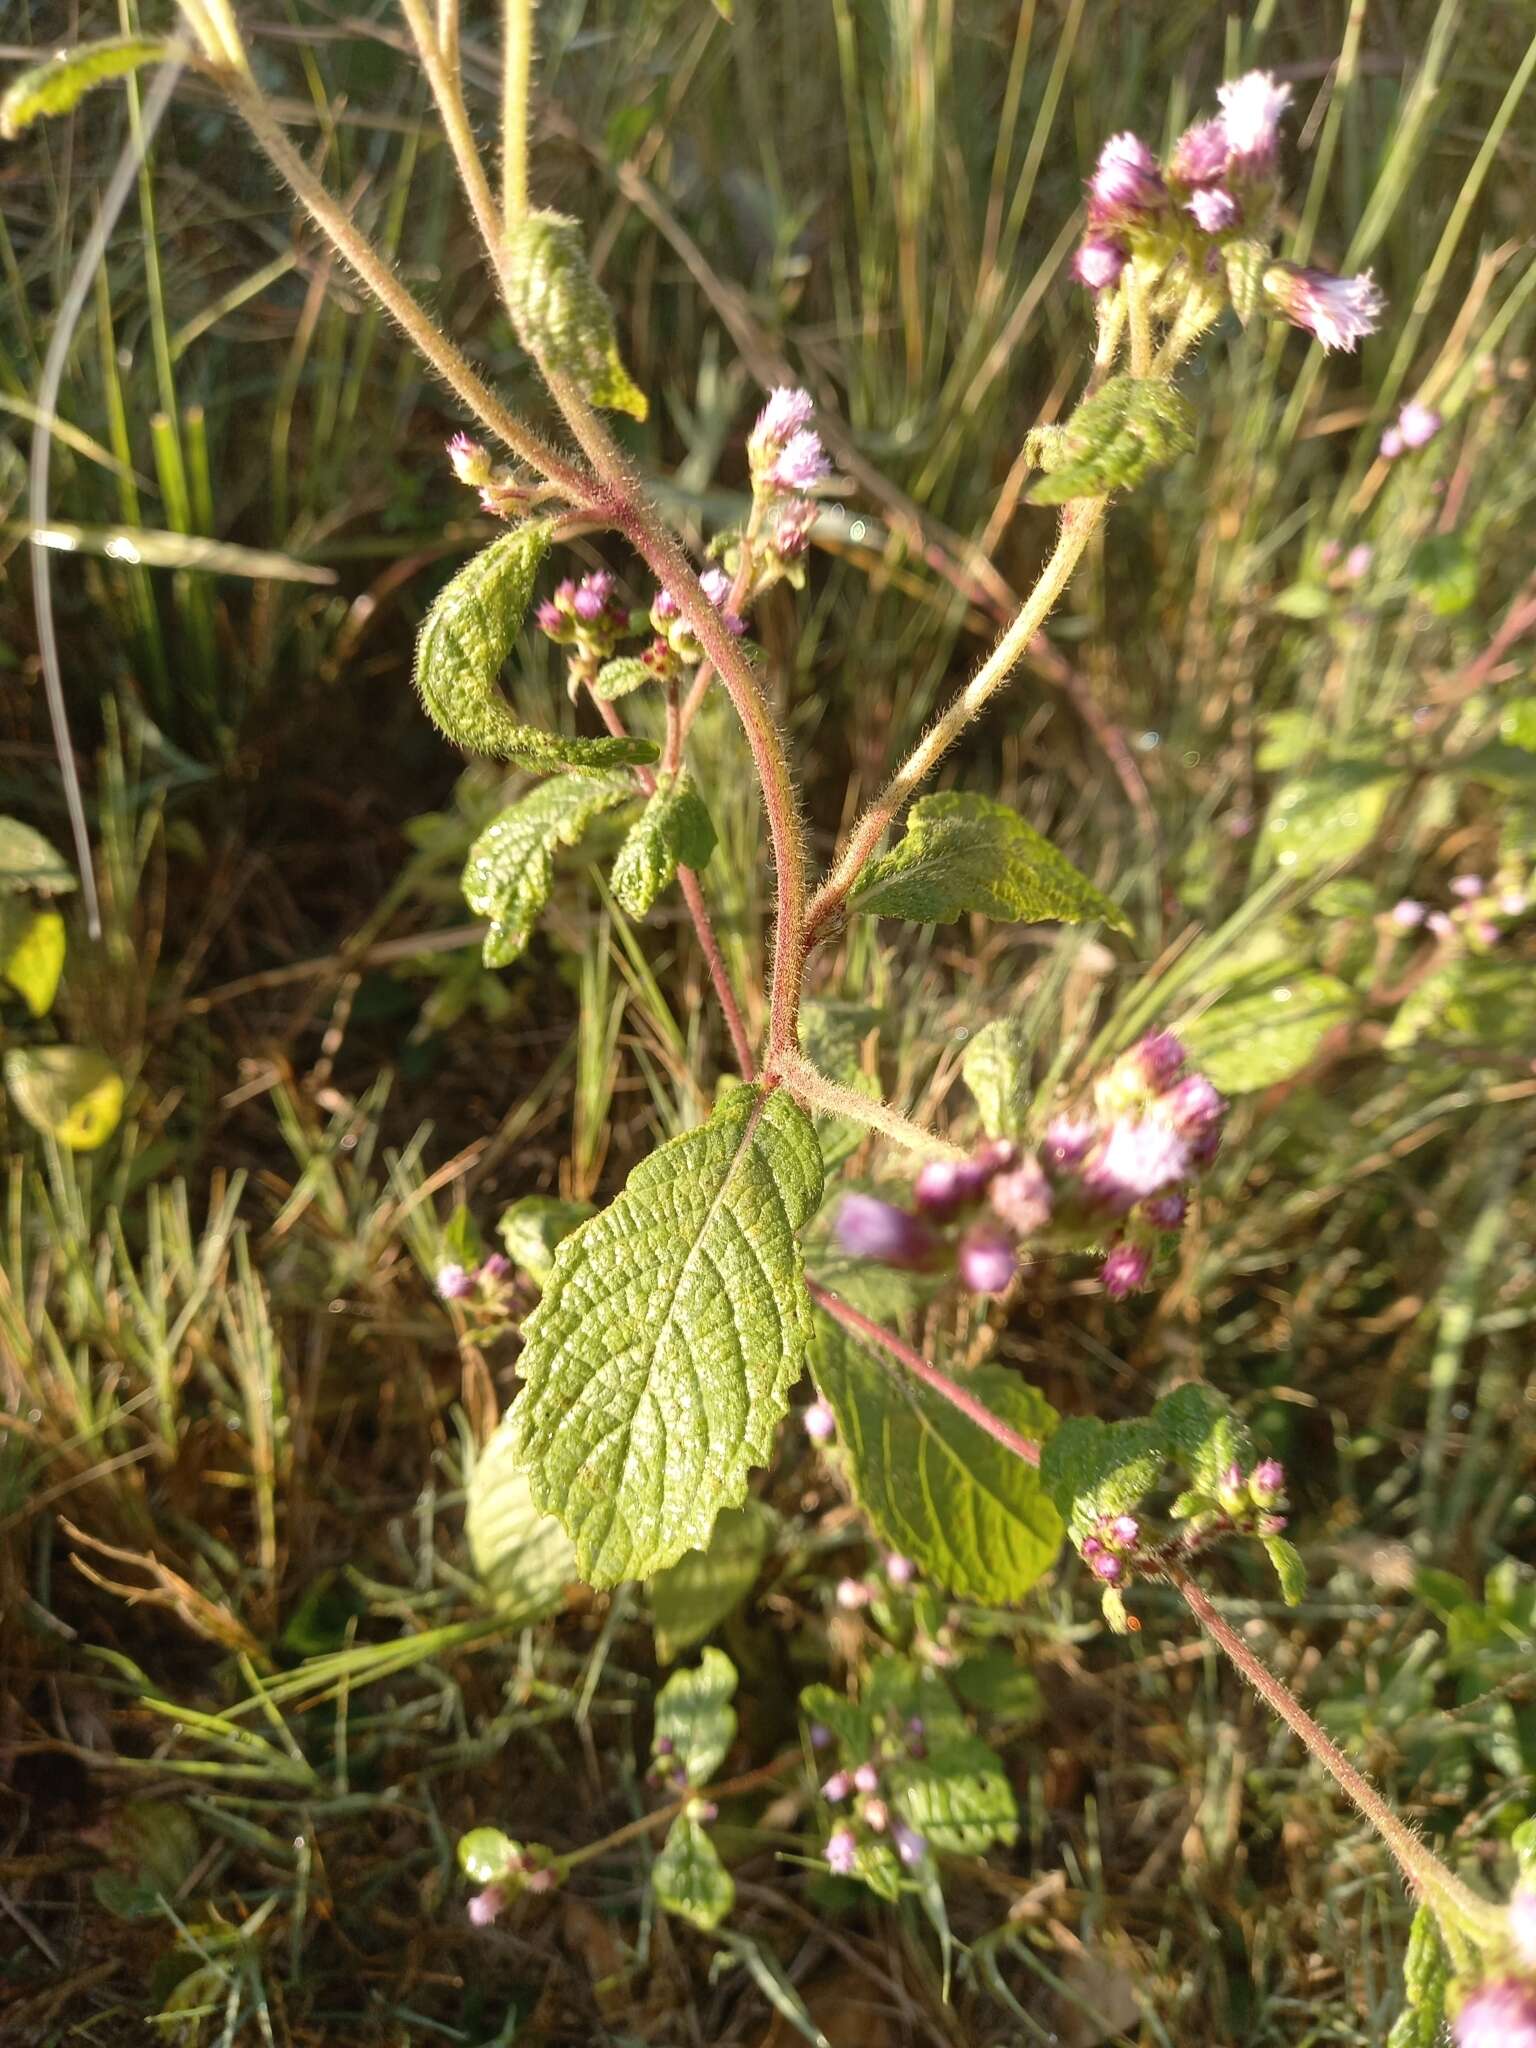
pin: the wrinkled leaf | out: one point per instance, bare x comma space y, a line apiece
673, 1325
28, 861
1289, 1569
694, 1713
694, 1595
1266, 1032
523, 1558
688, 1877
617, 678
937, 1488
511, 866
968, 853
465, 638
561, 313
1128, 429
673, 831
995, 1067
1328, 815
1092, 1468
59, 85
532, 1227
32, 945
73, 1094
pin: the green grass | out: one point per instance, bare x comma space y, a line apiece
235, 1418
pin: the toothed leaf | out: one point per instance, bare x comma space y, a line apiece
511, 866
673, 831
617, 678
522, 1557
995, 1067
59, 85
562, 314
1130, 428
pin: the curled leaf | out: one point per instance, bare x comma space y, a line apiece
562, 313
1130, 428
58, 85
673, 831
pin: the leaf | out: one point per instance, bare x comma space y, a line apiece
968, 853
673, 831
59, 85
1473, 1001
688, 1877
32, 947
532, 1227
1329, 815
523, 1558
1262, 1034
561, 313
674, 1324
618, 678
995, 1067
1289, 1569
71, 1093
957, 1794
690, 1597
936, 1487
694, 1713
1201, 1433
996, 1682
1245, 263
1443, 570
511, 866
465, 638
1302, 601
1092, 1468
28, 861
1128, 429
1517, 724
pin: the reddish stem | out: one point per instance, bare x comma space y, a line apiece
919, 1367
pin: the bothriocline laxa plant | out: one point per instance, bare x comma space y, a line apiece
674, 1325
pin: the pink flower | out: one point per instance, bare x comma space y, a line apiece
1251, 107
664, 606
716, 586
910, 1846
1067, 1140
867, 1228
1196, 1106
1214, 210
1440, 924
852, 1595
1200, 154
801, 463
1023, 1198
837, 1787
1160, 1056
843, 1852
1166, 1212
1138, 1158
1499, 2015
1108, 1567
1266, 1483
1126, 182
1391, 444
1522, 1925
901, 1571
1099, 261
1467, 887
1125, 1270
1407, 915
1339, 311
484, 1906
1357, 563
590, 598
866, 1779
454, 1283
819, 1422
471, 464
987, 1262
787, 411
1418, 424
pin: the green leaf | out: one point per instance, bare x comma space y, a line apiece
1092, 1468
1266, 1032
937, 1488
59, 85
674, 1324
1201, 1434
957, 1794
673, 831
968, 853
532, 1227
511, 866
1128, 429
1443, 570
71, 1093
694, 1713
465, 638
995, 1067
561, 313
688, 1877
996, 1682
1245, 263
1289, 1569
691, 1597
1326, 816
1303, 601
32, 947
523, 1558
487, 1856
28, 861
618, 678
1517, 724
1472, 1000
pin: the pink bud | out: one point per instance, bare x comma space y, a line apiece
1125, 1270
819, 1422
867, 1228
1099, 261
1160, 1057
1391, 444
1498, 2015
1408, 914
852, 1595
843, 1851
866, 1778
453, 1283
1467, 887
987, 1261
484, 1906
1023, 1198
901, 1571
1108, 1567
837, 1787
1418, 424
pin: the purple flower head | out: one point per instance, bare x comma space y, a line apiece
454, 1283
497, 1267
785, 414
1392, 444
1514, 903
1200, 154
1522, 1925
1091, 1548
837, 1787
821, 1735
1099, 261
1023, 1198
866, 1779
1136, 1159
1266, 1483
853, 1595
1125, 1270
901, 1571
987, 1261
843, 1852
1251, 107
1498, 2015
716, 586
1467, 887
820, 1423
1357, 563
471, 463
1160, 1056
590, 598
792, 529
1125, 1529
1126, 183
942, 1186
1440, 924
664, 608
1339, 311
801, 463
1068, 1140
868, 1228
910, 1845
1166, 1212
552, 620
1196, 1106
1418, 424
1108, 1567
1486, 932
484, 1906
1407, 915
1214, 209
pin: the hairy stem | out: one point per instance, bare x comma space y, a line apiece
809, 1085
634, 1830
1079, 522
1426, 1874
448, 35
949, 1390
517, 65
461, 137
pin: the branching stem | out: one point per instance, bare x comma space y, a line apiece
810, 1086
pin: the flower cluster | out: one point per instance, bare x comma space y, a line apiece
459, 1283
1119, 1168
1415, 427
1116, 1549
502, 493
1214, 197
1500, 2012
1480, 915
860, 1786
787, 464
503, 1868
588, 618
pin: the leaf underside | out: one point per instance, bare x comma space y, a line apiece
511, 866
523, 1557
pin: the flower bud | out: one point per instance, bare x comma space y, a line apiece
1126, 184
1214, 210
837, 1787
1136, 1159
1067, 1141
852, 1595
1196, 1106
1467, 887
910, 1845
876, 1815
1357, 563
1418, 424
987, 1261
1266, 1483
866, 1779
484, 1906
1126, 1529
1161, 1058
471, 462
1099, 261
1023, 1198
901, 1571
801, 464
819, 1422
1498, 2015
1166, 1212
1125, 1270
454, 1283
1232, 1490
821, 1735
1200, 154
1407, 915
497, 1267
1108, 1567
867, 1228
843, 1851
1338, 311
1392, 444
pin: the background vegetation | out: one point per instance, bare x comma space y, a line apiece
236, 1419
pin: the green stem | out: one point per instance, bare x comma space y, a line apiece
517, 65
808, 1085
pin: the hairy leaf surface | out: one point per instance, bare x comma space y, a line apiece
1128, 429
511, 866
688, 1877
674, 1324
1267, 1031
561, 312
673, 831
59, 85
995, 1067
962, 853
694, 1714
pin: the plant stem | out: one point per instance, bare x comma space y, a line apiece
949, 1390
1080, 520
810, 1085
634, 1830
448, 35
651, 538
1425, 1873
517, 63
461, 137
